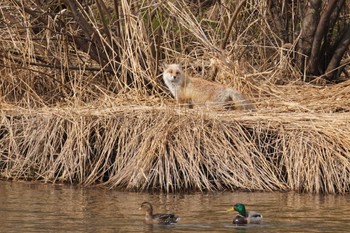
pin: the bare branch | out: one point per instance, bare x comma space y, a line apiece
228, 32
233, 19
321, 30
89, 32
334, 63
308, 28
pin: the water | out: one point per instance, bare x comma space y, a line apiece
33, 207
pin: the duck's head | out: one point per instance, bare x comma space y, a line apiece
147, 207
240, 208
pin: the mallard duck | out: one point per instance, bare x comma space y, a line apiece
151, 218
243, 216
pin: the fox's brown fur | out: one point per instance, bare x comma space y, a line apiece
192, 91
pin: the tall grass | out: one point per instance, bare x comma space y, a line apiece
52, 55
82, 100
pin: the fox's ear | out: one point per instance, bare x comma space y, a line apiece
181, 65
164, 66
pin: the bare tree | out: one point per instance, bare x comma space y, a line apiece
323, 35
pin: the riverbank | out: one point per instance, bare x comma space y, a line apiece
82, 99
172, 149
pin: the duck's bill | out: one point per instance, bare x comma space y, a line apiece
230, 209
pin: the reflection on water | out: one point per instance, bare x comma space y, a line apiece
31, 207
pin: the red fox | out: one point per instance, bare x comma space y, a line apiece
192, 91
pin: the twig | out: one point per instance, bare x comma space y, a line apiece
228, 32
234, 16
109, 70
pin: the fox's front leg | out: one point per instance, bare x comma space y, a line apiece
185, 102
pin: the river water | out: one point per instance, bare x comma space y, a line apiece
35, 207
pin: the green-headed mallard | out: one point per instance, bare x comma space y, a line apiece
151, 218
243, 216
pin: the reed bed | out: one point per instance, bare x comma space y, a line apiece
82, 100
175, 149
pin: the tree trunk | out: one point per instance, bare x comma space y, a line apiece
308, 28
333, 66
321, 32
323, 39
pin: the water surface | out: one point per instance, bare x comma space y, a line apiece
33, 207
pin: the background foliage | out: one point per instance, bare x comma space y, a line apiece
63, 51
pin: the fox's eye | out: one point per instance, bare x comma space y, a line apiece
170, 71
177, 72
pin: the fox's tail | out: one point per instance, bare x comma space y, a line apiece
240, 102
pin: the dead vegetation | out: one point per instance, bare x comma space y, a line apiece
82, 100
173, 149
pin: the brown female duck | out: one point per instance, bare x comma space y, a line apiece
151, 218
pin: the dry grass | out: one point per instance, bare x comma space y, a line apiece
67, 116
174, 149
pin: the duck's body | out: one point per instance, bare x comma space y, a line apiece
245, 217
252, 217
151, 218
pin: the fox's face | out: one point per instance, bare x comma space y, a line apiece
173, 74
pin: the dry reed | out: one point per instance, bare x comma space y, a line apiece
174, 149
100, 115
